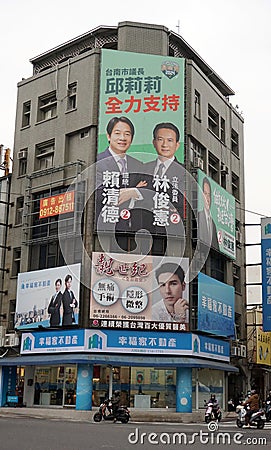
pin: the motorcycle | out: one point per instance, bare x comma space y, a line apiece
257, 419
212, 412
106, 413
268, 410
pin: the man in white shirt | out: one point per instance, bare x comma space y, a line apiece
172, 307
117, 175
164, 194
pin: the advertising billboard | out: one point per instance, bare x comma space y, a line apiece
139, 292
123, 341
216, 216
215, 306
266, 271
56, 204
263, 354
140, 93
48, 298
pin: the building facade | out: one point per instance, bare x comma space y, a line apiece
114, 340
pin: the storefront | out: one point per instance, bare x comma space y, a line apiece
79, 368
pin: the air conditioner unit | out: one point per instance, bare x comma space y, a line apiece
22, 154
198, 163
11, 340
224, 169
235, 351
243, 351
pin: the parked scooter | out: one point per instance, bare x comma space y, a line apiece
256, 420
212, 412
105, 412
268, 410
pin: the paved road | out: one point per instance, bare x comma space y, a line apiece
22, 433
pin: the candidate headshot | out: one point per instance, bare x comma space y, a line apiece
172, 307
207, 232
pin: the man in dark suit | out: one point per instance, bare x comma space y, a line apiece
117, 175
207, 232
55, 304
69, 303
165, 176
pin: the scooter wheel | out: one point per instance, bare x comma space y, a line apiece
260, 424
239, 423
97, 417
207, 419
125, 420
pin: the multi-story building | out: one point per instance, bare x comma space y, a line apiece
150, 75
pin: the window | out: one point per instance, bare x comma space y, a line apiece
26, 114
11, 314
222, 130
47, 107
213, 167
217, 266
19, 210
45, 155
197, 110
71, 96
213, 120
234, 142
16, 264
22, 157
235, 186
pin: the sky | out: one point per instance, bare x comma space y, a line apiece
232, 36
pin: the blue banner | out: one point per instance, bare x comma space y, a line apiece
266, 272
215, 306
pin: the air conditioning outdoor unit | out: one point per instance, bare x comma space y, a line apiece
224, 169
235, 351
243, 351
11, 340
198, 163
22, 154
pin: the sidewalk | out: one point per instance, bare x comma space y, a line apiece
137, 415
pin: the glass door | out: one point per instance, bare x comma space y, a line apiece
70, 376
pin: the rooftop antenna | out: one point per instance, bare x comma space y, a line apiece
178, 27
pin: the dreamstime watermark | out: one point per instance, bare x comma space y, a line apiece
211, 437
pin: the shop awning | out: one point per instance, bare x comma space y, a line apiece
115, 360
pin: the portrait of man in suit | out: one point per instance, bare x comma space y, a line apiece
69, 303
55, 304
164, 195
117, 177
207, 232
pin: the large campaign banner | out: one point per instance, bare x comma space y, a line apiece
48, 297
216, 216
215, 306
266, 272
142, 91
139, 292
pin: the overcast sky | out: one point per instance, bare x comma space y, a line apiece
232, 36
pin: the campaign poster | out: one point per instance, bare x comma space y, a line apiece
216, 216
139, 292
266, 271
147, 90
48, 297
215, 306
263, 354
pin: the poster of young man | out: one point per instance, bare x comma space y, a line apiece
139, 292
